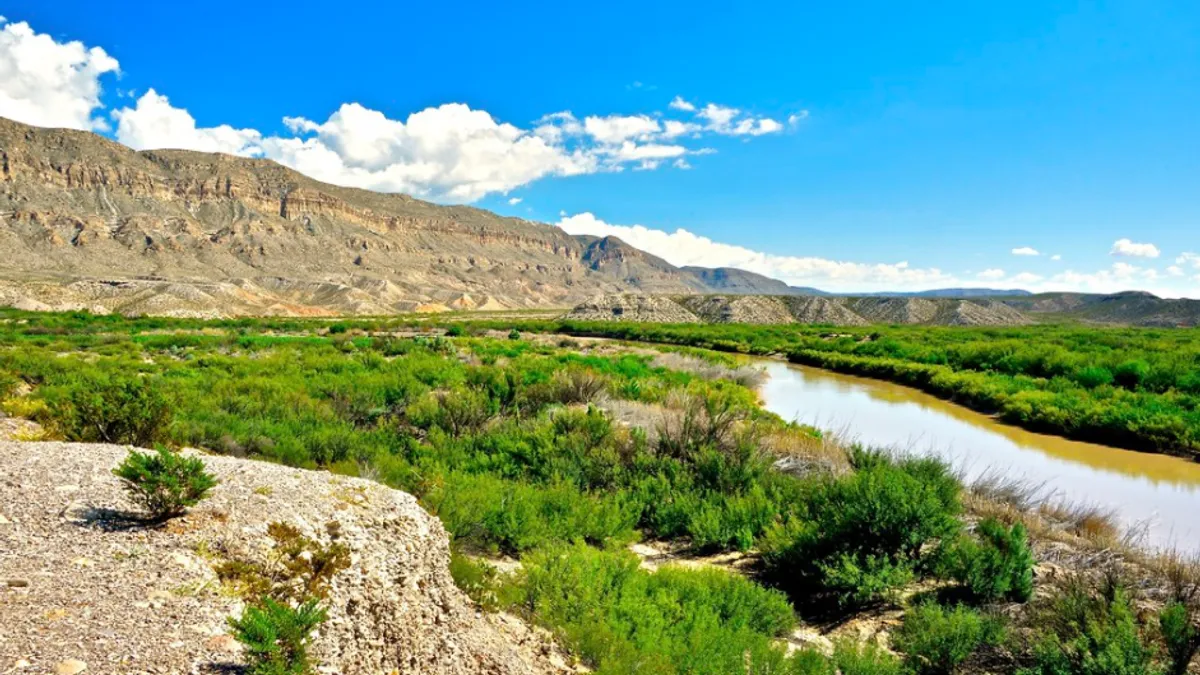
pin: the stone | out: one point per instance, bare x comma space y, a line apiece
223, 643
70, 667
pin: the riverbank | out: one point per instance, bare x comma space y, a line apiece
1132, 388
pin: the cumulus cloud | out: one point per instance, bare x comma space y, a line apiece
49, 83
1026, 278
513, 201
678, 103
1189, 259
619, 128
682, 247
449, 152
1025, 250
1056, 257
797, 117
154, 123
1125, 247
991, 274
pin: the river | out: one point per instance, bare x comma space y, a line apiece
1157, 493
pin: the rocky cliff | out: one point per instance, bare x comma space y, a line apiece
85, 588
86, 222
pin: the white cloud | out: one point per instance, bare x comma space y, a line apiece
1192, 259
1056, 257
1175, 271
155, 123
678, 103
449, 152
1025, 250
797, 117
618, 128
514, 201
1026, 278
991, 274
682, 247
718, 116
630, 151
49, 83
675, 128
1125, 247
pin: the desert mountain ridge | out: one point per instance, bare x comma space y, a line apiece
88, 223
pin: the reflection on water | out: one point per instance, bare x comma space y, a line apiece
1157, 490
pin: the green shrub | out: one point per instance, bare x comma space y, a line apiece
100, 409
455, 330
1131, 374
936, 640
864, 533
1092, 633
514, 334
8, 384
1094, 376
276, 636
479, 580
868, 658
621, 619
164, 483
1180, 636
996, 563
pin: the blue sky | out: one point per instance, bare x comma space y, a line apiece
873, 147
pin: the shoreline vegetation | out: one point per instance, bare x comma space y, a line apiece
1133, 388
556, 456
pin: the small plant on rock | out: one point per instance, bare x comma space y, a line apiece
276, 636
164, 483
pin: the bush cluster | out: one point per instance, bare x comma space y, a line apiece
866, 534
994, 564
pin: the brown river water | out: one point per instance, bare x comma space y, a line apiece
1155, 493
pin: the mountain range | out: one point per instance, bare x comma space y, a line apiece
88, 223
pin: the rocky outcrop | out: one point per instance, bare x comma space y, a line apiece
769, 309
83, 583
640, 308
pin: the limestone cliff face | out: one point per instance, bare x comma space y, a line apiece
77, 207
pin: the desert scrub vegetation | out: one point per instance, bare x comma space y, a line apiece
1134, 387
164, 483
511, 443
860, 537
619, 618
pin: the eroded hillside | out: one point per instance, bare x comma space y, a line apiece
769, 309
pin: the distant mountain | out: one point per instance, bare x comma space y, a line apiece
86, 223
950, 293
741, 282
1137, 308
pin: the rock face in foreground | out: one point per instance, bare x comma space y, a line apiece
80, 582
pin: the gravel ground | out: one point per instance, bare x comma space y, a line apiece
86, 588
